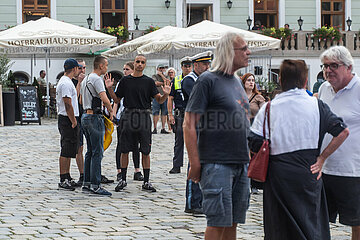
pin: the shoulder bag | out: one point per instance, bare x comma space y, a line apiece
259, 162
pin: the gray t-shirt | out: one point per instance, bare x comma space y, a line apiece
95, 84
224, 125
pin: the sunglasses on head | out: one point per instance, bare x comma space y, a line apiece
138, 61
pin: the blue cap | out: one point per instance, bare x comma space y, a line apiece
70, 63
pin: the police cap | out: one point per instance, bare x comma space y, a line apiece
202, 57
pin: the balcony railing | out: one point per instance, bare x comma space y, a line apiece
304, 42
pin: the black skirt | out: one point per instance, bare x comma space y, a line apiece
294, 201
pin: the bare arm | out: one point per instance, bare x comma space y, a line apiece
190, 138
107, 104
170, 108
333, 145
115, 107
70, 111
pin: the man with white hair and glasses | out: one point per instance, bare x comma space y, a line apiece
341, 171
219, 155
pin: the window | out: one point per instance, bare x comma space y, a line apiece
113, 13
333, 13
266, 12
35, 9
199, 12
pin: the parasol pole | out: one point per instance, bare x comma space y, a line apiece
47, 81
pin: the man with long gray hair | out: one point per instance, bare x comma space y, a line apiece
341, 171
219, 155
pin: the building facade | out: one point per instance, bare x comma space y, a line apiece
182, 13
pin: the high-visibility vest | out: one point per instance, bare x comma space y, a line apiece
177, 82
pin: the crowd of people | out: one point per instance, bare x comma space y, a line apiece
314, 166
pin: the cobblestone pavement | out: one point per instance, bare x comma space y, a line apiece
31, 206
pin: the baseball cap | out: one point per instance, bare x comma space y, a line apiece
162, 65
70, 63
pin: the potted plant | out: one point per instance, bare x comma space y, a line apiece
285, 34
8, 94
120, 32
327, 34
151, 28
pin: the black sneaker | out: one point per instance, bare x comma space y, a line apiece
86, 189
254, 190
163, 131
138, 176
148, 187
120, 185
175, 170
66, 185
118, 176
79, 183
105, 180
101, 191
154, 131
194, 211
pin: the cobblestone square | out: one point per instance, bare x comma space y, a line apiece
31, 206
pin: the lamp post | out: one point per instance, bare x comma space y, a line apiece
248, 22
348, 23
167, 3
89, 21
137, 21
300, 22
229, 4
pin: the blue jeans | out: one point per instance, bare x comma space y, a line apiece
94, 130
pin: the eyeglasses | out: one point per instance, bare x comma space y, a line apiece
138, 61
333, 66
242, 49
126, 69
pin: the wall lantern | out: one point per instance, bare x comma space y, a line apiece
348, 23
229, 4
300, 22
89, 21
167, 3
137, 21
248, 22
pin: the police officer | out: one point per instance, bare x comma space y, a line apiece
176, 98
201, 63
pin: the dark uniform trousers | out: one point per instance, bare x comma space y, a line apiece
179, 142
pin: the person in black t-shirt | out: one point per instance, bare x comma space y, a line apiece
219, 155
137, 90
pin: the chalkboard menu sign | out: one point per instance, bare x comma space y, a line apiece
28, 104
